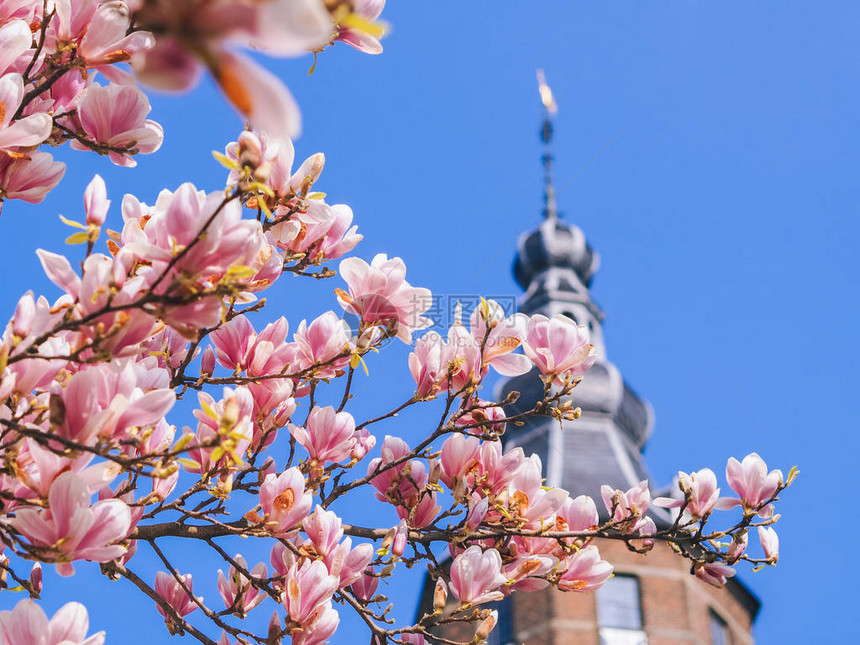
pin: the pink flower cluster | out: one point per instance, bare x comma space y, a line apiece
557, 347
301, 222
49, 93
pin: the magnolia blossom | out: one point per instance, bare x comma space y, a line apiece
29, 178
15, 40
627, 507
700, 490
558, 346
189, 39
173, 593
328, 435
115, 117
769, 543
499, 336
284, 500
585, 571
107, 40
359, 36
380, 295
714, 573
24, 132
476, 576
27, 624
365, 585
428, 365
309, 589
753, 483
237, 590
72, 529
323, 343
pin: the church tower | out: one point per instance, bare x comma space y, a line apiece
652, 599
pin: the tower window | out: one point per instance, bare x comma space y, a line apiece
719, 630
619, 612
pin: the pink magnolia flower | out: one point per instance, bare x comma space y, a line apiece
737, 547
25, 10
328, 436
428, 365
462, 356
174, 595
323, 528
477, 512
321, 343
364, 443
15, 40
755, 485
359, 36
27, 624
224, 432
115, 116
96, 203
29, 178
380, 295
714, 573
423, 513
27, 131
347, 563
459, 457
403, 484
558, 346
769, 543
499, 336
526, 572
485, 418
190, 38
365, 586
237, 590
341, 236
309, 589
320, 629
585, 571
108, 401
234, 342
284, 501
627, 507
70, 529
401, 533
577, 514
701, 489
476, 576
107, 40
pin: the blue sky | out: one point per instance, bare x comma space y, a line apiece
725, 213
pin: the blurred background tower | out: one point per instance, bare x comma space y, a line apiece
653, 599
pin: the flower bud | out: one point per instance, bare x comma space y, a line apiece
96, 203
486, 626
207, 362
36, 578
400, 534
24, 314
440, 595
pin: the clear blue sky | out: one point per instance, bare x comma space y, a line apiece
725, 214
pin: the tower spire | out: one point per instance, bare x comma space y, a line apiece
550, 108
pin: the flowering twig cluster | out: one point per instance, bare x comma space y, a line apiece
166, 309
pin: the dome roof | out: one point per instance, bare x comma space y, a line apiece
554, 244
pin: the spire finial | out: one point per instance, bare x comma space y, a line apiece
550, 109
